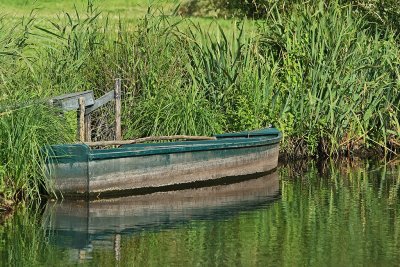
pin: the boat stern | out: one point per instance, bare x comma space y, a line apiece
67, 167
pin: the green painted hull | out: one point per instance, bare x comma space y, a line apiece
78, 170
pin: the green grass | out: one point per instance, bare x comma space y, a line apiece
339, 78
23, 134
132, 9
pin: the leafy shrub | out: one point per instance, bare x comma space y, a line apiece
385, 13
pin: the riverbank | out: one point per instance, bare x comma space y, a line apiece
323, 74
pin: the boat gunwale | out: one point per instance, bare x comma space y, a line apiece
171, 149
265, 137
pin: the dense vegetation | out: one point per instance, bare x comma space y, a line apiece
383, 12
322, 73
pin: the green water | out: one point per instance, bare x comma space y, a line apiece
307, 214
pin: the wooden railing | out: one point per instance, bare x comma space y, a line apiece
85, 104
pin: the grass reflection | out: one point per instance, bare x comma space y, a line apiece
24, 242
340, 214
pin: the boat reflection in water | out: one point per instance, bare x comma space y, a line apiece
82, 225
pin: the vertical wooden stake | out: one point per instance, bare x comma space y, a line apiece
117, 247
88, 128
81, 125
117, 95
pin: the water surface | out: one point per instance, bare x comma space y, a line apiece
305, 214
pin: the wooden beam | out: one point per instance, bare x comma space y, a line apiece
88, 128
101, 102
70, 102
148, 139
117, 96
81, 124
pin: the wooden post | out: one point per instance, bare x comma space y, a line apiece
117, 247
117, 96
88, 128
81, 122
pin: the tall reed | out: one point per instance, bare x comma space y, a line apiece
165, 97
27, 123
339, 83
23, 134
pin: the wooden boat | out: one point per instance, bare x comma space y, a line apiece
79, 223
79, 170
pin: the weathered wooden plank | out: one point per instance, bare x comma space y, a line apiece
148, 139
88, 128
117, 96
100, 102
70, 102
82, 119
